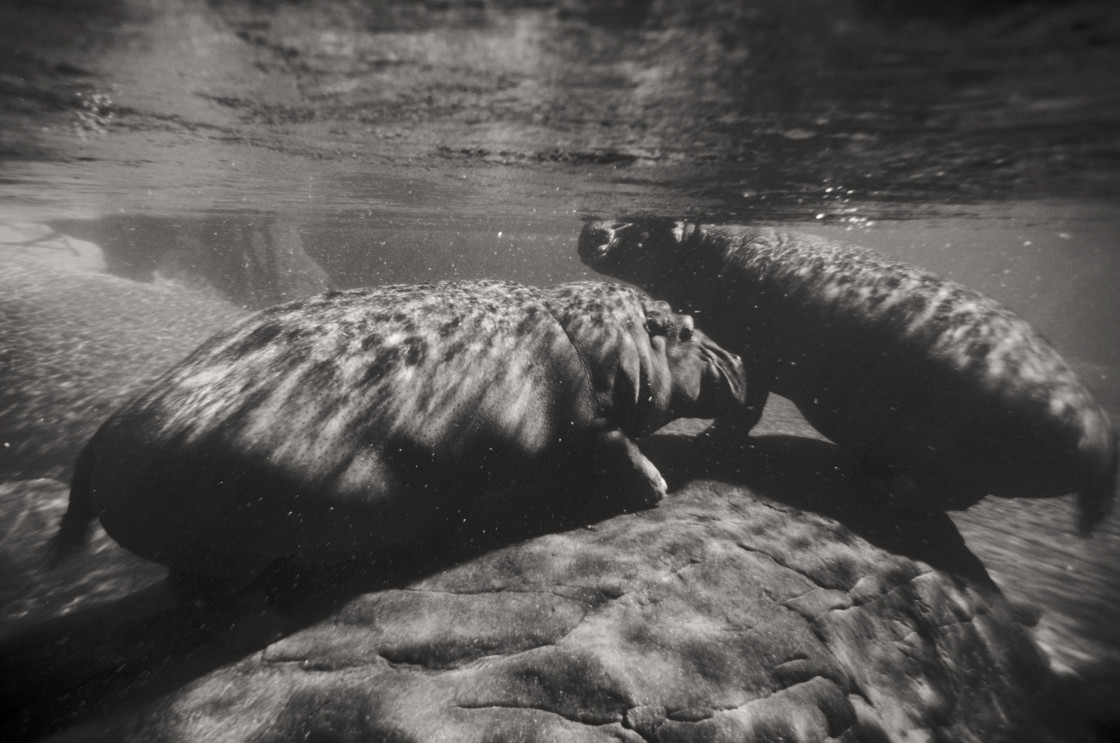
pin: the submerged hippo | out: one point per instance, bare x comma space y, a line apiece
360, 421
909, 371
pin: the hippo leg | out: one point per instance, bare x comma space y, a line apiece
240, 615
920, 489
641, 485
735, 425
733, 428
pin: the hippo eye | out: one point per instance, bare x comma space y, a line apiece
687, 328
656, 326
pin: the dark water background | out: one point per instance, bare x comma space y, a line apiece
219, 157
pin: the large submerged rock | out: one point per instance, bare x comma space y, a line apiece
781, 601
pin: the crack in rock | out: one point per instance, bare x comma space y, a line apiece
590, 720
781, 563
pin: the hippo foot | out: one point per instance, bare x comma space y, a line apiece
638, 483
639, 490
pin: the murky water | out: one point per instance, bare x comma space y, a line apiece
132, 228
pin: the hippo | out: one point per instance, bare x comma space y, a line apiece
921, 378
356, 422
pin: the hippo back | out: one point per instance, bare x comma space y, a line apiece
890, 361
349, 398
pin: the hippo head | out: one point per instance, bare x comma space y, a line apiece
640, 250
647, 364
688, 374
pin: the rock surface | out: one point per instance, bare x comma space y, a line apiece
723, 614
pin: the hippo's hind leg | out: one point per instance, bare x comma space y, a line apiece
242, 614
639, 484
915, 487
213, 574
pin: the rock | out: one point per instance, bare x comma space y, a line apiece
251, 261
40, 243
779, 602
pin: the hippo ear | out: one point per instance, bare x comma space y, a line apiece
687, 327
660, 318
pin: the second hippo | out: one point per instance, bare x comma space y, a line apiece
915, 374
360, 421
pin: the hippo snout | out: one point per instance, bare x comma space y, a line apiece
726, 382
595, 242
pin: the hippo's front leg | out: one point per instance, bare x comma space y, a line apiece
640, 484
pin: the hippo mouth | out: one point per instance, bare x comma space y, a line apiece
724, 383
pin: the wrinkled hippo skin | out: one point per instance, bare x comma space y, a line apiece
352, 423
724, 614
918, 375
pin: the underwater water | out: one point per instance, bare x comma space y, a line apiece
167, 168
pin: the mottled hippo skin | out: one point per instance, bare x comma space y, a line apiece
360, 421
908, 370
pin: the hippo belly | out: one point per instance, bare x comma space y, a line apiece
943, 382
960, 428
